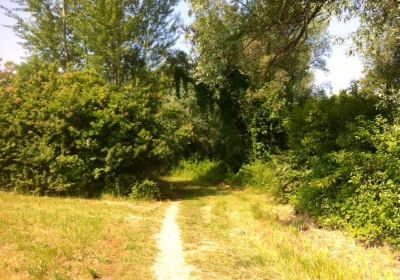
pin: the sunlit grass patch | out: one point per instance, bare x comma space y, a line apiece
253, 237
51, 238
202, 172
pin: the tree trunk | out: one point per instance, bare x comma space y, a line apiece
66, 58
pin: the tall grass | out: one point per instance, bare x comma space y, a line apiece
52, 238
256, 174
248, 235
201, 172
245, 235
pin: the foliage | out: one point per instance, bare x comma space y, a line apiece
343, 168
117, 38
251, 36
254, 70
358, 189
145, 190
266, 111
256, 174
205, 126
276, 176
378, 40
319, 126
72, 133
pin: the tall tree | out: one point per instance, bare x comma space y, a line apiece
45, 30
116, 37
242, 47
379, 41
251, 36
121, 37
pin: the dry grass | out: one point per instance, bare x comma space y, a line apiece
227, 235
50, 238
246, 235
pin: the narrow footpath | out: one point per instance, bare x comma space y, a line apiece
170, 263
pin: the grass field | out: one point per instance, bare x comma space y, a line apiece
50, 238
227, 234
246, 235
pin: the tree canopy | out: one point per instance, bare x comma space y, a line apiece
118, 38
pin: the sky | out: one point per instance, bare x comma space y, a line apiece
10, 50
342, 68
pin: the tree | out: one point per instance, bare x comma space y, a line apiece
118, 38
378, 40
251, 36
45, 28
6, 74
241, 47
121, 38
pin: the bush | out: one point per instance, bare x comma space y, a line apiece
313, 129
354, 189
145, 190
349, 160
257, 174
75, 134
276, 177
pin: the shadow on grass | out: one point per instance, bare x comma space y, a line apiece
172, 189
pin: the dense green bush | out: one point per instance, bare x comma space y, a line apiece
314, 129
358, 189
353, 189
256, 174
344, 166
266, 113
275, 176
73, 133
145, 190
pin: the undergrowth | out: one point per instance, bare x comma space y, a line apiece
201, 172
342, 190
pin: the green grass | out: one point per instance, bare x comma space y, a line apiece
227, 233
202, 172
51, 238
246, 235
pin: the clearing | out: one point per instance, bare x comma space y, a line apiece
198, 232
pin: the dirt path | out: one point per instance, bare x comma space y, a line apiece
170, 264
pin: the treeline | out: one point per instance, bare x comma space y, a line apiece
104, 103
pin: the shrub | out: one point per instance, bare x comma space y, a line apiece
257, 174
145, 190
75, 134
356, 188
266, 113
313, 129
355, 184
276, 177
